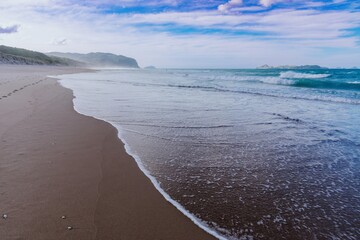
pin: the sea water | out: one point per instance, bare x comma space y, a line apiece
248, 154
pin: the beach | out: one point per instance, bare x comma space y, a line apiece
64, 175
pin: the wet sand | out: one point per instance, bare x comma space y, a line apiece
55, 162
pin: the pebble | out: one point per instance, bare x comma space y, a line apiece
70, 228
4, 216
63, 217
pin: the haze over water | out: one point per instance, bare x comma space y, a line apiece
263, 154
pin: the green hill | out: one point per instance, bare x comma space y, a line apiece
99, 59
11, 55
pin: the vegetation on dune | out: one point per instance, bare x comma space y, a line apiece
11, 55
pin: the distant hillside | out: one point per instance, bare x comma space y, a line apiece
99, 59
11, 55
292, 67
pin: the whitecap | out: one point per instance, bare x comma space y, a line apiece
291, 74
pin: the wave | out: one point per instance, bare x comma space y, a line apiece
305, 83
287, 118
178, 127
323, 84
277, 81
291, 74
319, 97
306, 80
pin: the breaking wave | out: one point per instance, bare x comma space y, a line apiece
291, 74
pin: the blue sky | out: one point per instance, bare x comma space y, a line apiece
183, 33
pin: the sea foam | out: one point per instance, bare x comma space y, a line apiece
291, 74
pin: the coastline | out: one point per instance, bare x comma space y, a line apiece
56, 162
152, 179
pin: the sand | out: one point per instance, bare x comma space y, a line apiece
55, 162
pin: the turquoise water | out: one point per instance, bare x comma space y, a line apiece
251, 154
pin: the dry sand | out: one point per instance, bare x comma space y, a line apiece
55, 162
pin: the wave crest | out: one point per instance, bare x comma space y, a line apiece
291, 74
277, 81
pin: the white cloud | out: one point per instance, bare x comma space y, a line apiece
23, 3
294, 36
268, 3
230, 4
286, 24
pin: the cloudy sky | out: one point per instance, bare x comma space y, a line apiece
185, 33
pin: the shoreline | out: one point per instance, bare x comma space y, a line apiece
156, 184
58, 162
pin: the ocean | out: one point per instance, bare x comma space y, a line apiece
246, 154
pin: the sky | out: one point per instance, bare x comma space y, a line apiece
191, 34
